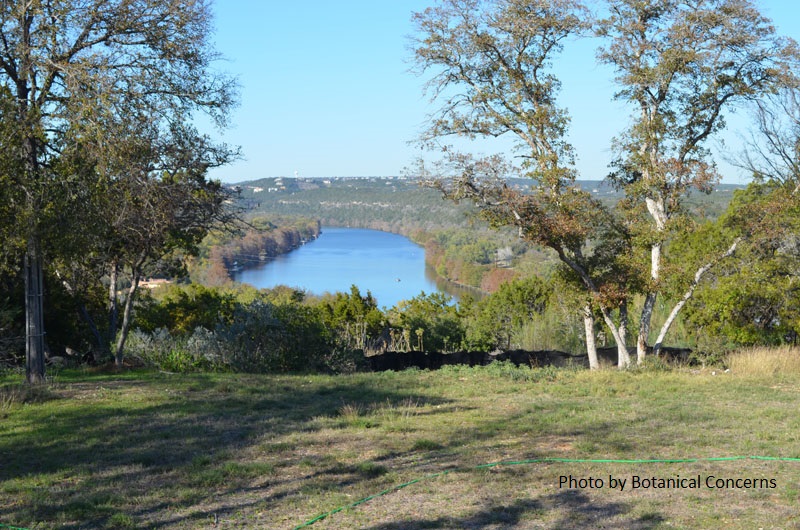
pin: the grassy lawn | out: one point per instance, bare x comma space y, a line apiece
154, 450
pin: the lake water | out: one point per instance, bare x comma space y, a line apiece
388, 265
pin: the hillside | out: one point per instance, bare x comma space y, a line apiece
482, 447
399, 204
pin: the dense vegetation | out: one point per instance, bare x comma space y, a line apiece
191, 327
655, 248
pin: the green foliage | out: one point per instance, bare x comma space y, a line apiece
470, 256
496, 318
355, 319
753, 298
429, 322
182, 309
11, 334
99, 158
198, 352
189, 328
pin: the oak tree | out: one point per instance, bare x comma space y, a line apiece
71, 68
680, 64
491, 64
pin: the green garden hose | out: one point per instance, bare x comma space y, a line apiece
519, 463
542, 461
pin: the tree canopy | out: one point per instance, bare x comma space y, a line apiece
679, 64
81, 82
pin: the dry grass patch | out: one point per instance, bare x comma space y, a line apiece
765, 362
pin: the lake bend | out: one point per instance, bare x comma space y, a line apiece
390, 266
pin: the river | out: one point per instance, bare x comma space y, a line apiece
390, 266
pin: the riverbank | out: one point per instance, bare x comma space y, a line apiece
457, 257
223, 255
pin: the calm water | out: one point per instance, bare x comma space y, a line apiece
388, 265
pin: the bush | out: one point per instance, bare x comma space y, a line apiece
267, 338
429, 322
497, 320
201, 351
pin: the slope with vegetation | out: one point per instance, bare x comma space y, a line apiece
222, 253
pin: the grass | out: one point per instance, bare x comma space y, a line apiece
765, 362
154, 450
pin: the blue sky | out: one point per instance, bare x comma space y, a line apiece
326, 89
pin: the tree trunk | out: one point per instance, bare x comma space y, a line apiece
591, 344
620, 334
126, 320
658, 211
113, 306
655, 274
644, 326
34, 314
98, 338
622, 344
689, 293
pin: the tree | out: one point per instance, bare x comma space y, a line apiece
753, 299
72, 69
157, 215
490, 61
429, 322
772, 153
354, 318
498, 315
680, 64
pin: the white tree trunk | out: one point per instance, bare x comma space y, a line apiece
657, 211
620, 334
698, 276
591, 344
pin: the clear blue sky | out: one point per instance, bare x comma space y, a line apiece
326, 88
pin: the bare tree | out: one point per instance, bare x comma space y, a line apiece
772, 152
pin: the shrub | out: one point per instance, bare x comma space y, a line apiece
267, 338
201, 351
429, 322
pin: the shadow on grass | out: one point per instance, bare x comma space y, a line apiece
71, 460
573, 510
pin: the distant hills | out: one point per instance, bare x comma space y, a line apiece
398, 203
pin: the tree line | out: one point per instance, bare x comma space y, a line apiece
221, 253
236, 327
